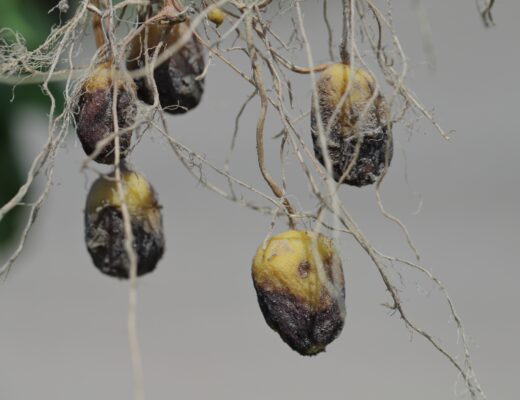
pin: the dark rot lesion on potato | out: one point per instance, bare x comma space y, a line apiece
94, 113
359, 139
305, 329
104, 226
179, 85
306, 308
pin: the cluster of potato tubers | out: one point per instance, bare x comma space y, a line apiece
297, 275
178, 81
99, 120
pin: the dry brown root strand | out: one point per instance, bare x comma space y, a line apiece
486, 15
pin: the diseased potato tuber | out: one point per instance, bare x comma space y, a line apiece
301, 290
179, 90
104, 225
359, 139
94, 116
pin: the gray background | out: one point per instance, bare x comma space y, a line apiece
63, 324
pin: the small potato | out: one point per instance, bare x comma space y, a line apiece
358, 134
301, 290
104, 225
94, 117
179, 90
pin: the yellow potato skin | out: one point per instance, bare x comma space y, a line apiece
217, 16
100, 79
287, 263
336, 80
139, 195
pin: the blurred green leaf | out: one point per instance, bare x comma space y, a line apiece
31, 19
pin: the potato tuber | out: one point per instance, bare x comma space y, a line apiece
104, 225
301, 290
359, 141
94, 116
176, 80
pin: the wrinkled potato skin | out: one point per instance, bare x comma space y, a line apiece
94, 117
179, 90
363, 116
306, 308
